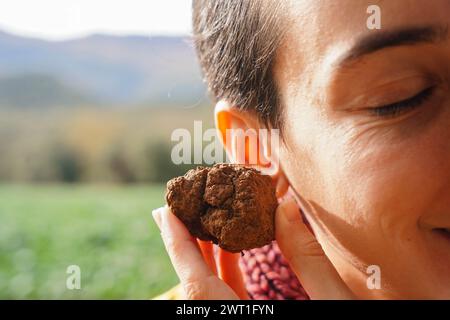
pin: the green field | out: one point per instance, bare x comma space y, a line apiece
107, 231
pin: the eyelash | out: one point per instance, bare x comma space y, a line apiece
397, 108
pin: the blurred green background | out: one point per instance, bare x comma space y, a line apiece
77, 188
106, 230
85, 144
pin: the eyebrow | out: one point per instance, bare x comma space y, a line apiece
382, 40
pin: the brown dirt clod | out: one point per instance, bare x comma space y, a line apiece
230, 205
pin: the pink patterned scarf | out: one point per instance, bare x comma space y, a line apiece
267, 275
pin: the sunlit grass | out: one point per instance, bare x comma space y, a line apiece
106, 230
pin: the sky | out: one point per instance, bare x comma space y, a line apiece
66, 19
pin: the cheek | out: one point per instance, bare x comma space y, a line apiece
392, 181
388, 186
376, 186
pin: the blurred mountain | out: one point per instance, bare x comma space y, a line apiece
119, 70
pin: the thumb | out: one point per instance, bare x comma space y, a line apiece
306, 256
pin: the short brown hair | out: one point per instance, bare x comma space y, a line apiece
236, 42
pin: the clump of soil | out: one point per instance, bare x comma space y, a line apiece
230, 205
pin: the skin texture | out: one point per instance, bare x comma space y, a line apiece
374, 189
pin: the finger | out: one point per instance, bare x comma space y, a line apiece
230, 272
198, 280
207, 250
182, 247
306, 256
206, 247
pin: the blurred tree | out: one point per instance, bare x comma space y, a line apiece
160, 167
120, 166
67, 164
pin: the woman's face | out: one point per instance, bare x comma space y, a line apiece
367, 138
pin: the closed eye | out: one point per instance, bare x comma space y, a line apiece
403, 106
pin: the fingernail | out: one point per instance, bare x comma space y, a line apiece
157, 216
164, 219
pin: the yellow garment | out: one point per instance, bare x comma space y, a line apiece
176, 293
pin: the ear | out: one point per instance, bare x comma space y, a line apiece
247, 142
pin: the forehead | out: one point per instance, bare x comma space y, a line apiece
347, 19
319, 31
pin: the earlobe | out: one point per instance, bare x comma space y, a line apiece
229, 120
